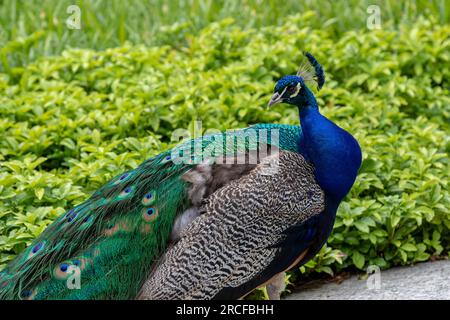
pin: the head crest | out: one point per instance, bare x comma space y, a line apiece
312, 71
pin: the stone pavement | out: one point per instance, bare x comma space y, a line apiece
428, 280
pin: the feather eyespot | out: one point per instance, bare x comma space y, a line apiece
80, 262
63, 270
122, 178
87, 222
27, 294
167, 159
149, 214
71, 215
126, 192
38, 247
149, 198
112, 228
60, 272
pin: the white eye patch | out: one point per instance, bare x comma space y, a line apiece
297, 90
282, 92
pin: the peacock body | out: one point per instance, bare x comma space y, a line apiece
227, 251
253, 229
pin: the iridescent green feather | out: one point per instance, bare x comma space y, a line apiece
114, 237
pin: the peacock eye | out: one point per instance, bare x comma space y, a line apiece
291, 89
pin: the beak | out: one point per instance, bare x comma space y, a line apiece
276, 98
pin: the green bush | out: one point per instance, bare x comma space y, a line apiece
112, 23
71, 122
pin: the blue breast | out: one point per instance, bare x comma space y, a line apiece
334, 152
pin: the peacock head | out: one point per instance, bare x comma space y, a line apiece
292, 89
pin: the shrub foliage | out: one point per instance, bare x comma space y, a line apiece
71, 122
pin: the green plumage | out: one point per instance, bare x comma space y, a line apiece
115, 236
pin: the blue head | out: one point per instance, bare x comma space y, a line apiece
292, 89
334, 152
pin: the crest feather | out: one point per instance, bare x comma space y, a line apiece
311, 71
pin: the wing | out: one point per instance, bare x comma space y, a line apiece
236, 244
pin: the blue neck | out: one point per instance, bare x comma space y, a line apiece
335, 154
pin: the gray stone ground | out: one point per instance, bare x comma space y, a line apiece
429, 281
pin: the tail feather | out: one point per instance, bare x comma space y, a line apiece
102, 237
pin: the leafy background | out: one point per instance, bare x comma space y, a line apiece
80, 106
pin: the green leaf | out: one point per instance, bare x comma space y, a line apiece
39, 193
358, 259
325, 269
363, 227
408, 247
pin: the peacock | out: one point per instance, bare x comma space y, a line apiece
214, 217
268, 219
